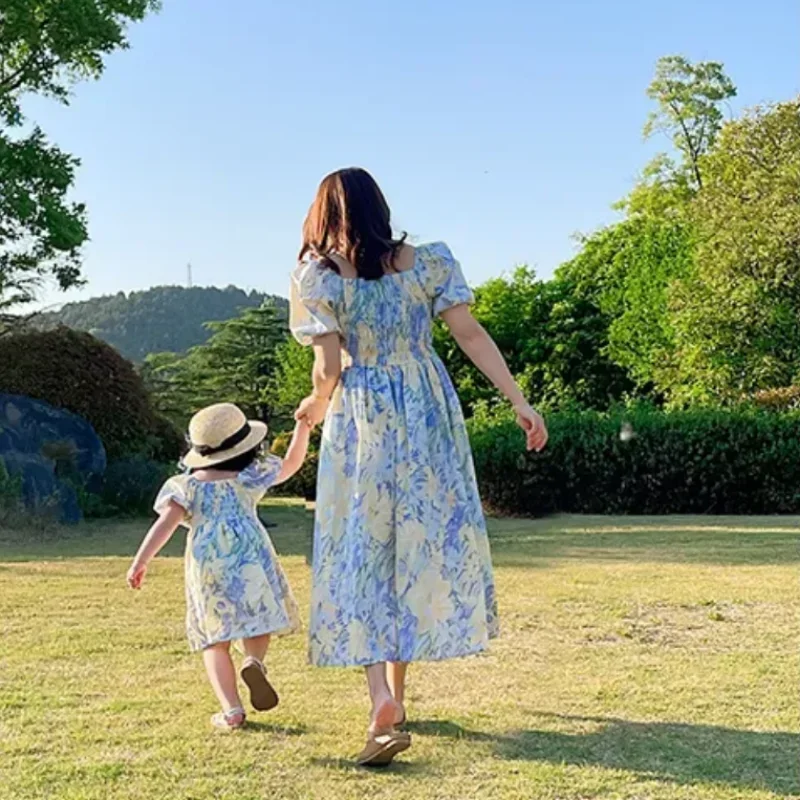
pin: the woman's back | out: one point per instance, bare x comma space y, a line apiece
382, 322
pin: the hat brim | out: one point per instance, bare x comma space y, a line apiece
258, 432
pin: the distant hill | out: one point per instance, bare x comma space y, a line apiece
164, 318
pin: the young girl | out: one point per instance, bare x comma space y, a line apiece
235, 587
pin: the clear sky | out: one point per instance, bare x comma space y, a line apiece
500, 126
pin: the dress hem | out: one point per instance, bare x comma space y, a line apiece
432, 658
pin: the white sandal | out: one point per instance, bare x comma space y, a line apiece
231, 720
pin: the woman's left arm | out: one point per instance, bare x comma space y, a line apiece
325, 377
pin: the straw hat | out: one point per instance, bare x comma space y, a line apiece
219, 433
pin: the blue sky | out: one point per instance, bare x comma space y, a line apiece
502, 127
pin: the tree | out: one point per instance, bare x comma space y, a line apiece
552, 338
45, 46
689, 98
238, 365
737, 315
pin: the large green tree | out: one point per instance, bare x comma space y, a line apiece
45, 47
552, 338
237, 364
737, 315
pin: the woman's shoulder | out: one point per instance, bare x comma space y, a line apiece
312, 276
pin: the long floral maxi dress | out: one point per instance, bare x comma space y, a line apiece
401, 565
235, 586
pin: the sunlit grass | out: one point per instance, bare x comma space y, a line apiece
639, 659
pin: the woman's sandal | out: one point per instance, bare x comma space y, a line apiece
381, 749
231, 720
262, 696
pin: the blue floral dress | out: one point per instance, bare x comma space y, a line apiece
235, 587
401, 565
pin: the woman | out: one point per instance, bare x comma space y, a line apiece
401, 568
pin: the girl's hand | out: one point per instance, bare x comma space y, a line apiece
533, 424
312, 410
136, 575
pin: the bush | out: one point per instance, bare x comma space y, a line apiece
304, 484
76, 372
643, 461
129, 486
10, 494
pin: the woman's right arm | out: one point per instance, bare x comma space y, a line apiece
480, 348
325, 376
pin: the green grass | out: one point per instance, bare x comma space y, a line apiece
639, 659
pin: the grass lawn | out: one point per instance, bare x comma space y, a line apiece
640, 658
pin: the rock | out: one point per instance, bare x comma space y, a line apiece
52, 451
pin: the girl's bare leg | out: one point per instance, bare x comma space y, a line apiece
222, 675
396, 678
256, 647
384, 707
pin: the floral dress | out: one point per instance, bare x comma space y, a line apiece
235, 587
401, 564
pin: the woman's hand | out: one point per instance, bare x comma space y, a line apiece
312, 410
533, 424
136, 574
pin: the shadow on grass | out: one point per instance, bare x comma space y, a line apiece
397, 767
520, 543
729, 542
289, 527
274, 729
683, 754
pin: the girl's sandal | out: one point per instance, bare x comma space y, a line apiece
232, 720
382, 748
262, 696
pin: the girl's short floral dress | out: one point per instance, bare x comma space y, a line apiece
235, 587
401, 566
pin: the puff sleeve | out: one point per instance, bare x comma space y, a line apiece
445, 282
177, 490
312, 303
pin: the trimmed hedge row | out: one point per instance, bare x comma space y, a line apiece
644, 461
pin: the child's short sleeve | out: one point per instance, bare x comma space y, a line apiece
262, 475
445, 282
178, 491
311, 306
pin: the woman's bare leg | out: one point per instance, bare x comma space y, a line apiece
222, 675
384, 707
396, 678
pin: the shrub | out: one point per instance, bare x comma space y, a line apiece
10, 494
76, 372
644, 461
304, 483
129, 486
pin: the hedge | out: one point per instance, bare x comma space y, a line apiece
644, 462
79, 373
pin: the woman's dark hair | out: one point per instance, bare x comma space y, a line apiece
350, 216
235, 464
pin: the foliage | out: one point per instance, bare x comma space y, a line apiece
45, 46
551, 337
304, 483
79, 373
10, 494
127, 487
627, 270
292, 380
688, 98
644, 461
162, 319
238, 364
737, 316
